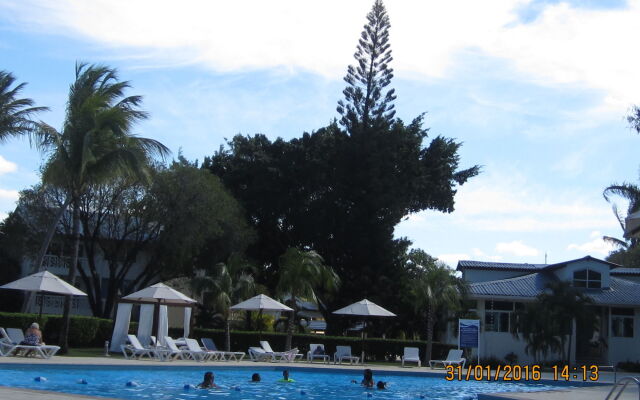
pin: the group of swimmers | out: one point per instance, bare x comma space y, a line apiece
367, 380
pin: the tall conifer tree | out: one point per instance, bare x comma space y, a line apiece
364, 105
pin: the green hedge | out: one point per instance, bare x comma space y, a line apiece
93, 332
83, 331
377, 349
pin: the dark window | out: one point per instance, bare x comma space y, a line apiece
622, 322
587, 278
497, 316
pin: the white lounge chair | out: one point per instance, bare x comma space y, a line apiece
259, 354
210, 345
311, 354
289, 355
135, 351
344, 353
411, 354
10, 344
453, 358
197, 352
172, 352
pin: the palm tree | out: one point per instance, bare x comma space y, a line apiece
566, 304
631, 193
302, 274
435, 288
94, 146
539, 329
228, 284
15, 113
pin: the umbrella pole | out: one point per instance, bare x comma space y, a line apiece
258, 321
41, 303
364, 326
156, 321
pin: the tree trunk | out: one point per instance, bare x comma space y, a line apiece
227, 335
73, 270
430, 323
43, 249
291, 324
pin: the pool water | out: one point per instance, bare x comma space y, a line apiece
164, 383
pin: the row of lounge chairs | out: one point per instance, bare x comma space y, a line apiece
10, 340
189, 349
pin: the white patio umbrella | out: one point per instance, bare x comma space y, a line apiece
261, 303
44, 281
364, 308
159, 295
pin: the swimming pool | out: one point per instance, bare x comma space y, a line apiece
164, 383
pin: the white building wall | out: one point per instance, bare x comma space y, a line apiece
625, 349
566, 273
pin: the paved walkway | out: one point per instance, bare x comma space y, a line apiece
586, 393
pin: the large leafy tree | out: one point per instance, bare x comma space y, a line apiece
16, 114
434, 289
302, 276
223, 285
135, 234
96, 144
631, 194
342, 189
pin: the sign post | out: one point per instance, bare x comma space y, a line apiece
469, 334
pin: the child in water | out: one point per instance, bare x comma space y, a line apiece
255, 377
367, 379
207, 382
285, 377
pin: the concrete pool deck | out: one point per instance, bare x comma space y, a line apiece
595, 392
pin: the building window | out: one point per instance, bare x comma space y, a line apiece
587, 278
498, 315
622, 322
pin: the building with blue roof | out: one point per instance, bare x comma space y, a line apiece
497, 290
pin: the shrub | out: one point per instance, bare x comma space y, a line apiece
629, 366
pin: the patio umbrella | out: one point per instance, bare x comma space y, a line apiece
159, 295
43, 281
261, 303
364, 308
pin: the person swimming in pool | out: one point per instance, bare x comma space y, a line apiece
381, 385
285, 377
255, 377
208, 381
367, 379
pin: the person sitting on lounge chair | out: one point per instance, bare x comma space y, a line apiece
207, 382
33, 336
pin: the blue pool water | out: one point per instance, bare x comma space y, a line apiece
164, 383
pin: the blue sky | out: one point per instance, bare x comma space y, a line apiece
536, 90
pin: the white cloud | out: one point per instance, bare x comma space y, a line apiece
482, 256
9, 194
7, 166
516, 248
595, 246
565, 45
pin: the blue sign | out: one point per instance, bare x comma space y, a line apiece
469, 332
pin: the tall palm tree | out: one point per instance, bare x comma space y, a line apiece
435, 288
94, 146
302, 274
631, 193
228, 283
15, 113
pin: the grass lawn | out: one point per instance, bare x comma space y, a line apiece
88, 352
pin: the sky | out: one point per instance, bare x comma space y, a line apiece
537, 91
